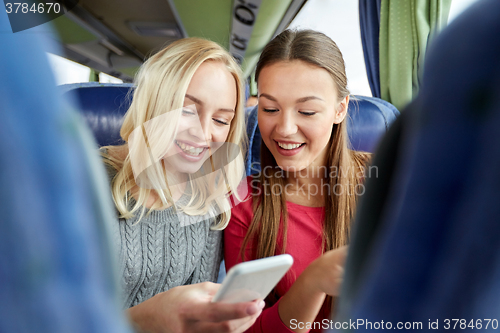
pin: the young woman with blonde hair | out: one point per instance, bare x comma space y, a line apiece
184, 138
304, 199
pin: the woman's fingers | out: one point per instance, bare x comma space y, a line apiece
232, 326
218, 312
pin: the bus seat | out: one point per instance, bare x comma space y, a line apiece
425, 243
368, 119
102, 107
56, 268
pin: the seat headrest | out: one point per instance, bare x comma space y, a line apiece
103, 107
368, 119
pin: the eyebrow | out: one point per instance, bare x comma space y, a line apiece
308, 98
300, 100
197, 101
194, 99
269, 97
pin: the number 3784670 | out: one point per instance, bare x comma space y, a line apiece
461, 324
40, 8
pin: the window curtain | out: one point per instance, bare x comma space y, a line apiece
369, 24
406, 27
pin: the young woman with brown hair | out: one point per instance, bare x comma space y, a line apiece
304, 199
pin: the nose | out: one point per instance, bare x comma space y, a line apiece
201, 130
286, 124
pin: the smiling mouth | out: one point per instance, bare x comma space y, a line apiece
290, 146
190, 150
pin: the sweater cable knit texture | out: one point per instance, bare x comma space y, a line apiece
165, 249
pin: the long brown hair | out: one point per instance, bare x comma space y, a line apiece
270, 214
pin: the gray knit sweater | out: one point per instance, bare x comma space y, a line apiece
163, 250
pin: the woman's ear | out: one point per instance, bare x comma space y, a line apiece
341, 110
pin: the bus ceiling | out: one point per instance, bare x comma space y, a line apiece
116, 36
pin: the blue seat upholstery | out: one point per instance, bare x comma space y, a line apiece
368, 119
103, 107
56, 266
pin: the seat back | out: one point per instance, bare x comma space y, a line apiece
103, 107
56, 268
369, 118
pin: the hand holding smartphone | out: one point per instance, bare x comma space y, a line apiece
254, 279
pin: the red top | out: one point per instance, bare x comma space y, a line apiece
304, 237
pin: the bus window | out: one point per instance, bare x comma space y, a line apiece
339, 20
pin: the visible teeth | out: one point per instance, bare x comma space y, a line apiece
289, 146
189, 149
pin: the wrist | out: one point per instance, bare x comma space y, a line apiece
310, 282
143, 316
136, 318
139, 318
304, 292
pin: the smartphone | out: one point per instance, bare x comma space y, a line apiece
254, 279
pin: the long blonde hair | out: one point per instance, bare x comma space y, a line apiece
161, 86
270, 213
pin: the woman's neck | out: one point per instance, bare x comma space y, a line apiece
306, 188
177, 183
176, 190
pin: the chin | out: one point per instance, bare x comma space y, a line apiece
292, 167
178, 166
188, 168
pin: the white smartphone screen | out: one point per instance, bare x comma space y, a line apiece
254, 279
